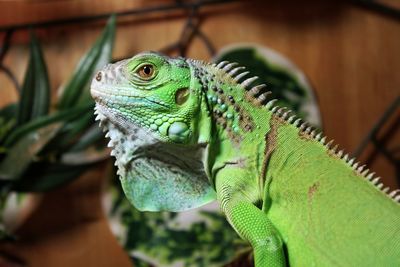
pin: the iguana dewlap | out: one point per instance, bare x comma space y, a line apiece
185, 132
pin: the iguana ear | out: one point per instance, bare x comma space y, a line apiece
154, 185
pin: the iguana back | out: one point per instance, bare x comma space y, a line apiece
327, 209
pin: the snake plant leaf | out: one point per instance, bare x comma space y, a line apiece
23, 152
5, 235
86, 149
89, 155
7, 121
60, 116
93, 135
35, 95
9, 111
69, 133
76, 90
43, 176
95, 58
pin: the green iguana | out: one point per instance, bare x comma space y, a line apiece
185, 132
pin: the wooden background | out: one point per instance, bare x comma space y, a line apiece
351, 55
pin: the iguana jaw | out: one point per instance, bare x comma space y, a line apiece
130, 141
125, 137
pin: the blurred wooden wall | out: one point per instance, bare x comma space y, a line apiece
351, 55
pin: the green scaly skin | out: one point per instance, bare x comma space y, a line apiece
185, 132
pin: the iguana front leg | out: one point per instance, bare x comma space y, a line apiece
249, 221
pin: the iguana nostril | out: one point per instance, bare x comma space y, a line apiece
98, 76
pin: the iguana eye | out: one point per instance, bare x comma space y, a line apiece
146, 71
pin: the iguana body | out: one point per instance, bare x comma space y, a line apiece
185, 132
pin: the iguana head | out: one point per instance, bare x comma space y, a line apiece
150, 109
152, 91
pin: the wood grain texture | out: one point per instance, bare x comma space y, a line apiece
350, 55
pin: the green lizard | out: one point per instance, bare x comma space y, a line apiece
185, 132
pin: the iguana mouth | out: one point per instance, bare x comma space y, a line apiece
133, 101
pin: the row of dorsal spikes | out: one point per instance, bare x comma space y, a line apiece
258, 92
237, 73
287, 115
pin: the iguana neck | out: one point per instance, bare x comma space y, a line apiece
234, 119
228, 104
